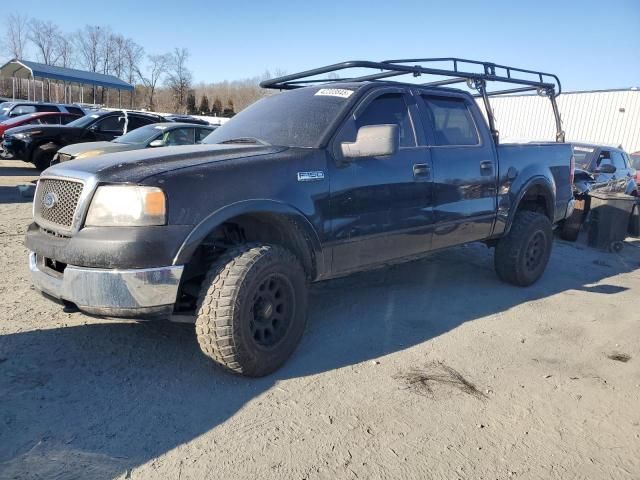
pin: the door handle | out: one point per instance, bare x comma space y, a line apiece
421, 170
486, 167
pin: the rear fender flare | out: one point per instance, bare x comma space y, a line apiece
546, 188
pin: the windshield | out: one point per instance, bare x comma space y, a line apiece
296, 118
83, 121
582, 156
141, 135
5, 107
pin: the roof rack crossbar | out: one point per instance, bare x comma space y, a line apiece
460, 70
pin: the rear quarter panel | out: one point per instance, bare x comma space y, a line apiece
525, 165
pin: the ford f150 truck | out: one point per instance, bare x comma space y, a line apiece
328, 178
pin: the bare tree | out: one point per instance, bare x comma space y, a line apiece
43, 35
65, 51
88, 44
17, 35
179, 78
157, 68
134, 54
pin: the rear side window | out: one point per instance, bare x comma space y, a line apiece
451, 121
137, 122
75, 110
47, 108
51, 120
389, 108
202, 133
64, 119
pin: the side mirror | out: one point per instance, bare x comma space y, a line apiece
606, 168
156, 143
373, 141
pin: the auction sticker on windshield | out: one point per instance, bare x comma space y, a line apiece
335, 92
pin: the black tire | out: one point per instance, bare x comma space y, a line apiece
571, 226
522, 255
251, 312
42, 157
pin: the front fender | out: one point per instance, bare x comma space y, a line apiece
255, 206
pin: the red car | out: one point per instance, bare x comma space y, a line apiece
38, 118
635, 163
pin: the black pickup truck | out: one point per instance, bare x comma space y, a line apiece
305, 185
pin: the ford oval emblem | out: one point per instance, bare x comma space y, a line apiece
49, 200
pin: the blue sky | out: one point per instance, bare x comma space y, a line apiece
589, 44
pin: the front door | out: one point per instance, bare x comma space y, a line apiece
381, 206
464, 169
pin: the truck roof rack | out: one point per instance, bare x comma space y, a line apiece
474, 73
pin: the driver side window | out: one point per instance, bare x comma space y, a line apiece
389, 108
114, 123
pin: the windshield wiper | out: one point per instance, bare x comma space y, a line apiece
246, 140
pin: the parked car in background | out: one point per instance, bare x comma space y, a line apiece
186, 119
42, 118
18, 108
635, 163
607, 167
310, 184
39, 143
149, 136
598, 168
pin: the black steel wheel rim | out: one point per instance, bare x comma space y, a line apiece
535, 251
272, 310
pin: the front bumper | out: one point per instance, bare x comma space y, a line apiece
132, 293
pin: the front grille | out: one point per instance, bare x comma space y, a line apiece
56, 201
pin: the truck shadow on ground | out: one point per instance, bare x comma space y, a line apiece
97, 400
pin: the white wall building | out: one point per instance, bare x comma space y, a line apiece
609, 117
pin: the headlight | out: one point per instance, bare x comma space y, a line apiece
20, 136
126, 206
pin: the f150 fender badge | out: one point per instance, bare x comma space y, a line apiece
310, 176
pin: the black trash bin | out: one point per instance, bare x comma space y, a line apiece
634, 221
609, 219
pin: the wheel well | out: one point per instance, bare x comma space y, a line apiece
536, 199
45, 143
280, 229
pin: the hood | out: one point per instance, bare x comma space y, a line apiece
137, 165
92, 149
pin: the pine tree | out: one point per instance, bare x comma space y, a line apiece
191, 104
204, 105
217, 107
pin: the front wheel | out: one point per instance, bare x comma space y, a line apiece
252, 309
522, 255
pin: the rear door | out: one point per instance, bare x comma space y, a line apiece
465, 169
380, 207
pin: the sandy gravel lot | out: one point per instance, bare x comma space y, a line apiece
433, 369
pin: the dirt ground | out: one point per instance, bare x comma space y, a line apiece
433, 369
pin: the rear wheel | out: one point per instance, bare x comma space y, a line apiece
42, 156
522, 255
252, 308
